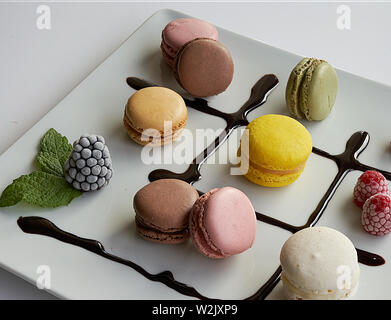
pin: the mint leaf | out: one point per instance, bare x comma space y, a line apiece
54, 152
12, 194
41, 189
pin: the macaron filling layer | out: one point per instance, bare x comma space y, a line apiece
295, 292
270, 180
154, 132
304, 87
168, 56
152, 226
151, 136
155, 233
170, 51
293, 87
270, 171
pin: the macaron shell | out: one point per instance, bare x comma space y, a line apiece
195, 225
311, 257
204, 67
319, 91
293, 87
229, 221
150, 107
180, 31
278, 142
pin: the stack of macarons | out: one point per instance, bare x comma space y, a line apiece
221, 222
202, 65
311, 90
274, 149
155, 116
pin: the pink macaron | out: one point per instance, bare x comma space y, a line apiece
223, 223
180, 31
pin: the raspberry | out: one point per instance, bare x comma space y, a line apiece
376, 215
369, 184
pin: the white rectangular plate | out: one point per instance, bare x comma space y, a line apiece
97, 105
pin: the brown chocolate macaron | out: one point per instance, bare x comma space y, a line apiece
162, 210
204, 67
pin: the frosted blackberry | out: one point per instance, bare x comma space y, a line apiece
89, 167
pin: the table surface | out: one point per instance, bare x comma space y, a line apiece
40, 67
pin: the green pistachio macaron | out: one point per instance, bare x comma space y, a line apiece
311, 90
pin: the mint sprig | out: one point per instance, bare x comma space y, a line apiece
47, 186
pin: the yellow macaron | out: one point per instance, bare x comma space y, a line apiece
155, 116
277, 148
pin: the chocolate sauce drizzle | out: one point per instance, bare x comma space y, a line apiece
346, 162
258, 96
42, 226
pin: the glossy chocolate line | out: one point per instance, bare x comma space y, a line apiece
322, 205
346, 162
269, 220
197, 104
42, 226
277, 223
268, 287
192, 174
364, 257
369, 259
258, 96
259, 93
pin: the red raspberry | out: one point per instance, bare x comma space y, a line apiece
369, 184
376, 215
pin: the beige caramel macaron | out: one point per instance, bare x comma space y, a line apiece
155, 116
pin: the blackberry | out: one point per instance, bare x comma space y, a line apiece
89, 167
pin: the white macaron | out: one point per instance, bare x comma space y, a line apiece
319, 263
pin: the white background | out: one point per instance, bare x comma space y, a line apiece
39, 67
